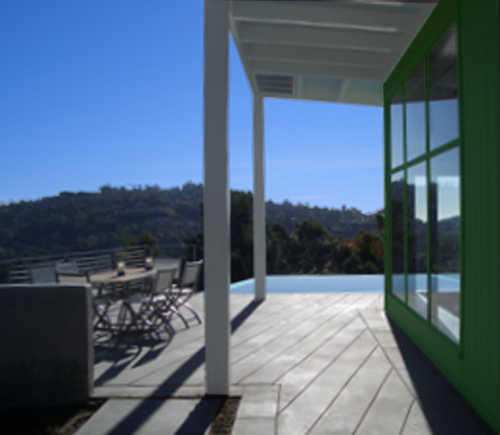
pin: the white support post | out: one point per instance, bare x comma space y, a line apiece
216, 200
259, 203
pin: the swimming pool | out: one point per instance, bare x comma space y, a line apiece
315, 284
345, 283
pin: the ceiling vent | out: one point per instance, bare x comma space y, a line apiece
274, 84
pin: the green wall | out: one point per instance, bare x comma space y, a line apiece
474, 365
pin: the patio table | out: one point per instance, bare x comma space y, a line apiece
132, 275
111, 279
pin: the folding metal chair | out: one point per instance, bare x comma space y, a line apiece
148, 313
188, 286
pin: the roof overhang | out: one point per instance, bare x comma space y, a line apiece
323, 50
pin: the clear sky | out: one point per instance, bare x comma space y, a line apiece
99, 92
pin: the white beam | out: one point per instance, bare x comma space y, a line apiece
259, 203
327, 70
335, 38
343, 90
373, 100
216, 199
326, 14
233, 28
317, 55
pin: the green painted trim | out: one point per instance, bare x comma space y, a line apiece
405, 232
432, 329
431, 154
462, 307
405, 200
427, 157
387, 202
428, 173
423, 42
473, 366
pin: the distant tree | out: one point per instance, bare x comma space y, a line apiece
369, 250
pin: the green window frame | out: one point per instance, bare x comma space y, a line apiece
398, 84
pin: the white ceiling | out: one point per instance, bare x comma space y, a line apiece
323, 50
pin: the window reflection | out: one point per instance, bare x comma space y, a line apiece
397, 129
417, 238
445, 242
397, 187
415, 114
443, 103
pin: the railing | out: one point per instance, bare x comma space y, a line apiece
17, 270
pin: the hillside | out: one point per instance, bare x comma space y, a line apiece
76, 221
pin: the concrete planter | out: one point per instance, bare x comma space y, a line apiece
46, 342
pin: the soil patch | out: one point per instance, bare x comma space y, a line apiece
61, 420
223, 423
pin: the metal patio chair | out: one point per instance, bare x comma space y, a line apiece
149, 312
186, 289
43, 274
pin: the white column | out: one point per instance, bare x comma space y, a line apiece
259, 203
216, 199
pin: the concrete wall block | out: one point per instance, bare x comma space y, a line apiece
46, 345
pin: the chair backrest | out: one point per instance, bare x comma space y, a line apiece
191, 274
71, 278
164, 280
167, 263
67, 267
43, 274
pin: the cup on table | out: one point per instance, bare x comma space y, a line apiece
121, 269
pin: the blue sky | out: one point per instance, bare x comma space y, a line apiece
111, 92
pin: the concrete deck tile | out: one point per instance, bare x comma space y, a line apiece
276, 331
376, 320
448, 416
152, 417
347, 410
148, 391
303, 412
386, 339
301, 375
259, 401
425, 383
307, 363
389, 410
416, 423
287, 341
254, 426
278, 367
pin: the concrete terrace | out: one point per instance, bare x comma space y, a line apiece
303, 364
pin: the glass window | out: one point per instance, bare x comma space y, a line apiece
415, 114
445, 242
397, 129
398, 287
417, 238
443, 103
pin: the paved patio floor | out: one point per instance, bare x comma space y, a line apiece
303, 364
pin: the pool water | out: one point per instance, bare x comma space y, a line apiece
347, 283
315, 284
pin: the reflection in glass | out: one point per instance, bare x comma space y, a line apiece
443, 103
417, 238
397, 129
445, 242
397, 187
415, 114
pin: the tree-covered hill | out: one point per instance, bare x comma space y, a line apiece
77, 221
